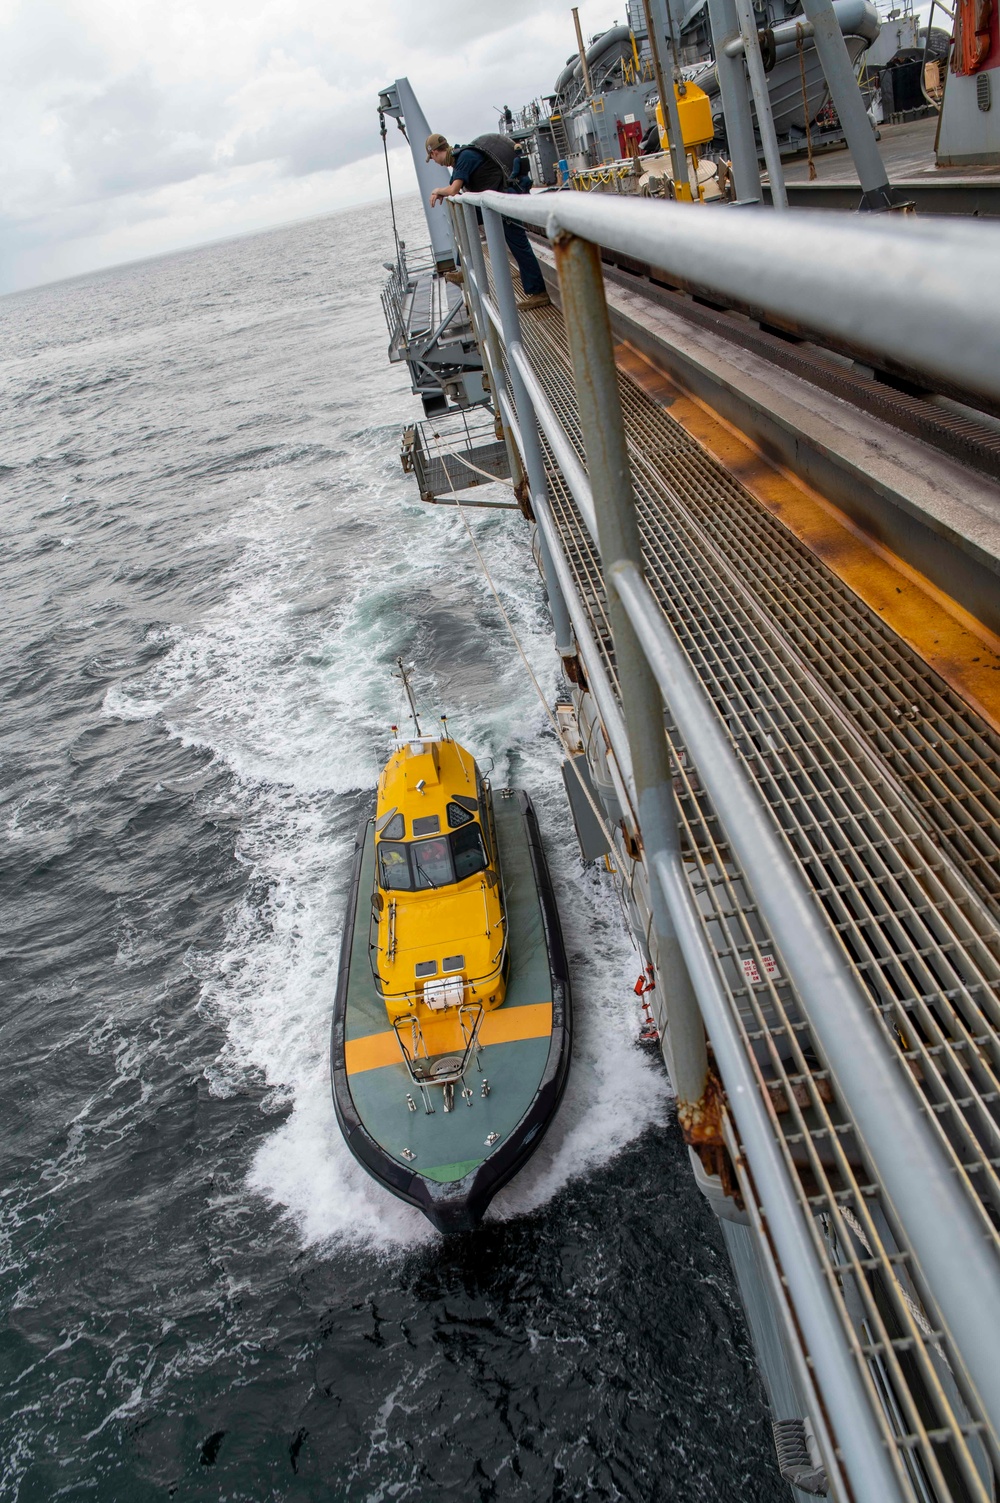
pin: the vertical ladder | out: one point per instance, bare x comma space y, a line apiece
560, 138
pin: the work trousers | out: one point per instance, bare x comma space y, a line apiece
520, 248
527, 262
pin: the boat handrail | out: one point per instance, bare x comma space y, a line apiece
390, 941
470, 1017
855, 278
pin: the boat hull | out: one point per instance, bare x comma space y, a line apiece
453, 1171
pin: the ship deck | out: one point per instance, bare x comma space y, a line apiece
864, 707
907, 149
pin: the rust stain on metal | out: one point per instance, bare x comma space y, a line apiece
779, 1094
701, 1120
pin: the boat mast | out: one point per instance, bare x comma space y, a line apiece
404, 674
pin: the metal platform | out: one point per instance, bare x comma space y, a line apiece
885, 788
429, 329
455, 453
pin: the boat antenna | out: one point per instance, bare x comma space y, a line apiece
404, 674
388, 175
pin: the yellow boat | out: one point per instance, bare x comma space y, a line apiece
451, 1035
442, 927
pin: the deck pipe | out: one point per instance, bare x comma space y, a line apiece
588, 333
803, 270
531, 448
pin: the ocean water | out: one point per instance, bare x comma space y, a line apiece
210, 560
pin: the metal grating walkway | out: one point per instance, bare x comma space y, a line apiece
886, 788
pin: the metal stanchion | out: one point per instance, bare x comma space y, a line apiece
467, 233
735, 103
534, 462
588, 333
762, 99
839, 70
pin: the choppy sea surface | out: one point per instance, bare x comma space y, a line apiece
210, 560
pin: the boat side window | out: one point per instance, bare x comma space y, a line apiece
393, 867
468, 851
432, 863
457, 816
395, 829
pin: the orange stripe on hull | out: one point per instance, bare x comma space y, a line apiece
504, 1026
507, 1024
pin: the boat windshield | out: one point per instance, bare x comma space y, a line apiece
406, 866
393, 866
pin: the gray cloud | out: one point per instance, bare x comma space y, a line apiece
174, 120
129, 137
311, 143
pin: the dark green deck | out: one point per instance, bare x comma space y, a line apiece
448, 1145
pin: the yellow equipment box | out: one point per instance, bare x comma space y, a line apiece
695, 109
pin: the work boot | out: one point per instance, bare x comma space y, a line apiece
534, 300
455, 277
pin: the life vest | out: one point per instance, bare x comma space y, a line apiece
503, 153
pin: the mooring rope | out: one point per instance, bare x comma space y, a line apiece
799, 35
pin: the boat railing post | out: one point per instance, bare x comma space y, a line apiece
838, 69
534, 461
471, 250
588, 332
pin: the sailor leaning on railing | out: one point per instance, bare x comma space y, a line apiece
491, 162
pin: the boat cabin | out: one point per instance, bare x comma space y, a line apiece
440, 940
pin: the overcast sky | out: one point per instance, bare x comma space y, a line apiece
131, 127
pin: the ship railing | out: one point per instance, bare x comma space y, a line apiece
402, 274
917, 1228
